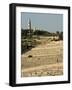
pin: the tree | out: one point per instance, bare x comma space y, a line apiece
57, 32
61, 36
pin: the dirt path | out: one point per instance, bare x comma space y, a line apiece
46, 60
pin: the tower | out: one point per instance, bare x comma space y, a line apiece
29, 24
29, 28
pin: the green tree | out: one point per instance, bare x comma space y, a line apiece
61, 36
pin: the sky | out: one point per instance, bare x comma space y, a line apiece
43, 21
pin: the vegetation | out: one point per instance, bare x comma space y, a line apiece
60, 34
42, 33
25, 32
29, 38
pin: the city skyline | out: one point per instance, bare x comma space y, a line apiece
42, 21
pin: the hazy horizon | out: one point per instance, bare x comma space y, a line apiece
43, 21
